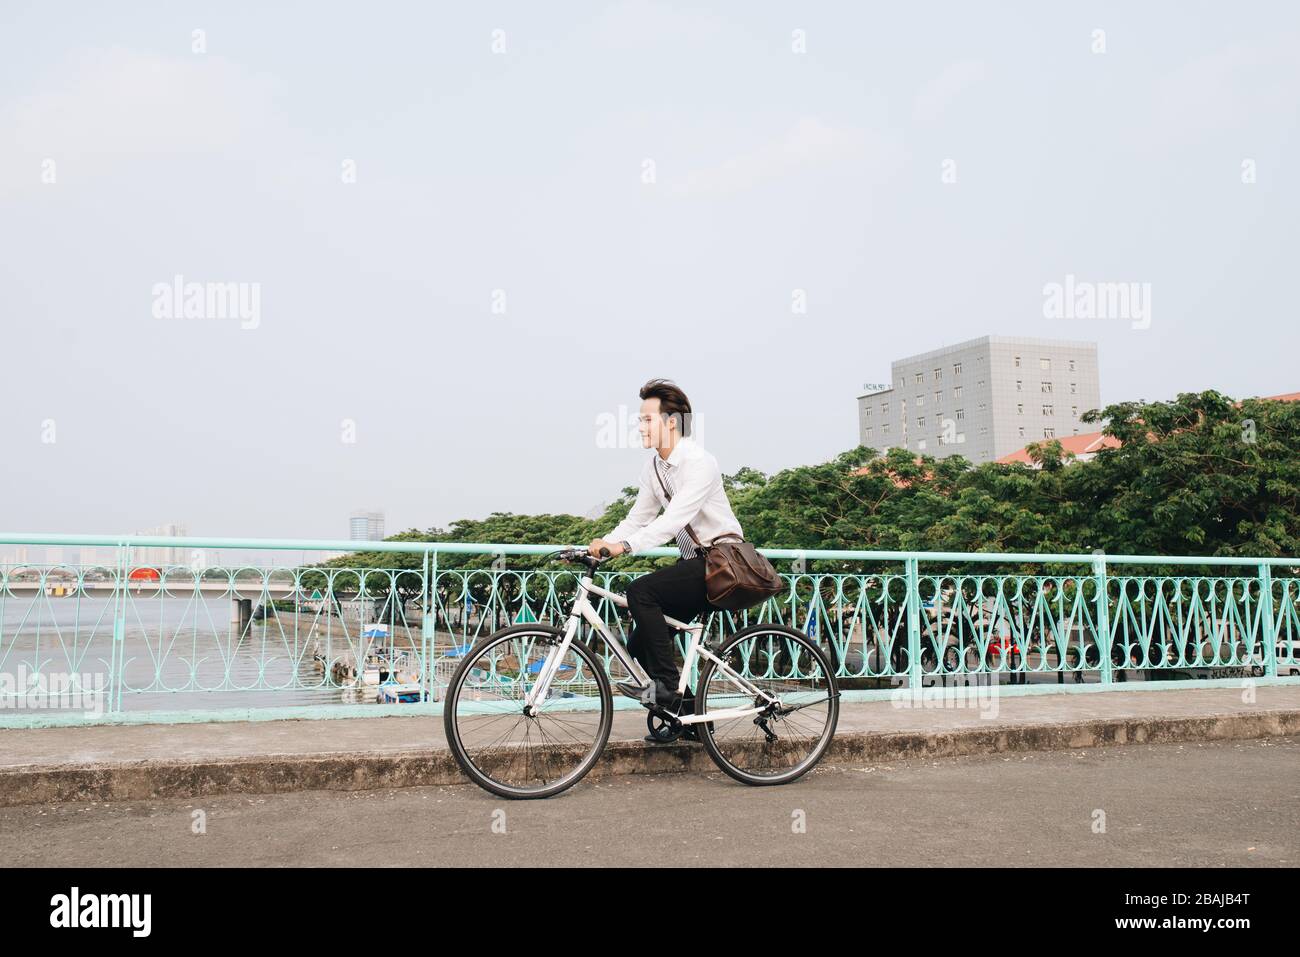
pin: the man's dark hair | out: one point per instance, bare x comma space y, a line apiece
672, 401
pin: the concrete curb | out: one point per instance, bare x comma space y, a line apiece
363, 770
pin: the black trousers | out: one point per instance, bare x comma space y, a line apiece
677, 591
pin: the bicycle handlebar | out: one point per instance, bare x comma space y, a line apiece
581, 555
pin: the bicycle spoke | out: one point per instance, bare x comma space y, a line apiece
527, 752
780, 739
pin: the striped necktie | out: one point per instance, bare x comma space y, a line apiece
684, 543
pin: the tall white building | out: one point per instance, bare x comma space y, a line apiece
100, 556
366, 527
153, 555
982, 399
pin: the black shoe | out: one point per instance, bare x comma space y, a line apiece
667, 698
633, 689
657, 692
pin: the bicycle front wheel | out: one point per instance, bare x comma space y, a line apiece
785, 739
513, 751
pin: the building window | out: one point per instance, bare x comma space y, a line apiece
867, 431
984, 430
938, 398
1071, 365
1045, 365
1049, 433
980, 384
1047, 410
938, 374
920, 421
1074, 388
920, 445
961, 437
1017, 362
920, 377
866, 412
1020, 408
1019, 386
961, 414
884, 408
920, 401
1076, 431
1021, 430
884, 428
981, 406
956, 368
1074, 411
1045, 387
956, 393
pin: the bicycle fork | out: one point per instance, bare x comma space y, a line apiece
581, 610
537, 693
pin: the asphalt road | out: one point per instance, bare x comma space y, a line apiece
1200, 805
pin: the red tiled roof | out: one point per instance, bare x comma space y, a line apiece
1084, 444
899, 482
1091, 442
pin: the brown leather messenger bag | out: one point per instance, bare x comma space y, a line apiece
736, 576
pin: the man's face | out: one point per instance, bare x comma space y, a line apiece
651, 424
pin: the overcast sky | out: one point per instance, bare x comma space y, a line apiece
475, 231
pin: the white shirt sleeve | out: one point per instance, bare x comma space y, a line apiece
645, 508
695, 482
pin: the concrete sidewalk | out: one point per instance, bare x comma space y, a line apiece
134, 762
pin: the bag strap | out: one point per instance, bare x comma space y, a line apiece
689, 531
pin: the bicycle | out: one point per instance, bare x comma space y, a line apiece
529, 709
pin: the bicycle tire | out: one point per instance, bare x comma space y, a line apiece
452, 729
708, 730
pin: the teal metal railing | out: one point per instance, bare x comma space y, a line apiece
135, 634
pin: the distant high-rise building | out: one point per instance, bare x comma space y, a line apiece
153, 555
982, 399
366, 527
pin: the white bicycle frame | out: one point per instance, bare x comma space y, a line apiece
583, 609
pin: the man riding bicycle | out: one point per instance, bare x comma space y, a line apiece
683, 480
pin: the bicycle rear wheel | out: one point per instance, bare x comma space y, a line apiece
515, 754
783, 742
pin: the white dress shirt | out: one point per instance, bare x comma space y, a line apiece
698, 499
